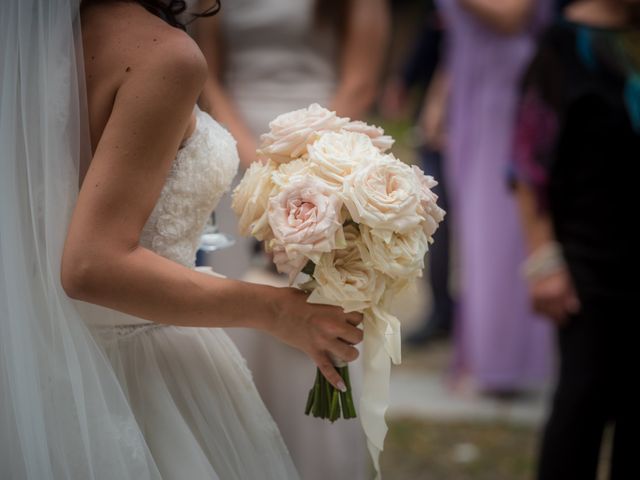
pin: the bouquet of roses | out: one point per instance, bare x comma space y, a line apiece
328, 201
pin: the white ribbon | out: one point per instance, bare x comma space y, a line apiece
381, 344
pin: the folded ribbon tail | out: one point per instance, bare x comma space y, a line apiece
381, 343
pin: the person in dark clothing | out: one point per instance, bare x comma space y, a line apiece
577, 142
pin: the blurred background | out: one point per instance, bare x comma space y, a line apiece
448, 79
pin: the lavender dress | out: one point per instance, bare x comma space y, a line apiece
500, 344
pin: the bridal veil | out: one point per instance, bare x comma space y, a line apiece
62, 411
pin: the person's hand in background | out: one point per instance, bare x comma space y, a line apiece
554, 296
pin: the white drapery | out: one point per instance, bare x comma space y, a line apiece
62, 412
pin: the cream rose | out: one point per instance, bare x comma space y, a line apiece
342, 278
431, 212
335, 155
285, 171
381, 141
290, 263
290, 133
250, 200
305, 219
385, 196
402, 257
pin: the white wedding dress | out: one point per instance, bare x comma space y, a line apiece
189, 388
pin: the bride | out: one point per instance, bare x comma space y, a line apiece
132, 379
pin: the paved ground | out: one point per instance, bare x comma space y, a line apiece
420, 388
438, 432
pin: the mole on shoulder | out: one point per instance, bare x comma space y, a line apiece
128, 69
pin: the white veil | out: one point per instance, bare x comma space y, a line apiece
62, 411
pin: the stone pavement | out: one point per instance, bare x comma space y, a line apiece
426, 393
420, 387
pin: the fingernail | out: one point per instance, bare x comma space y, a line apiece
342, 387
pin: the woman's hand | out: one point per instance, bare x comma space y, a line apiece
317, 330
551, 288
554, 296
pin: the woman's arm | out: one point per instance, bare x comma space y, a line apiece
505, 16
550, 286
536, 223
215, 98
103, 262
362, 55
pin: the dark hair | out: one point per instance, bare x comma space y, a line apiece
169, 10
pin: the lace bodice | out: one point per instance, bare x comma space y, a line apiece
201, 173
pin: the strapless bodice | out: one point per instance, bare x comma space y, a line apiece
201, 173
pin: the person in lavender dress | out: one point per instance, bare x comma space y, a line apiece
500, 345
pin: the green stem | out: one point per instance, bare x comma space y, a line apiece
327, 397
323, 397
325, 401
307, 408
334, 411
316, 396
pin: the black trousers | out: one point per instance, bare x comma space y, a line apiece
438, 256
597, 373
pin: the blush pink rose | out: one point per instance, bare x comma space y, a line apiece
381, 141
291, 264
291, 132
306, 222
430, 211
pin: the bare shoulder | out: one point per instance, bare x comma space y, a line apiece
123, 40
129, 50
129, 32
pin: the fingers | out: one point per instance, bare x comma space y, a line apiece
554, 296
354, 318
350, 334
329, 371
558, 308
551, 308
343, 351
337, 324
